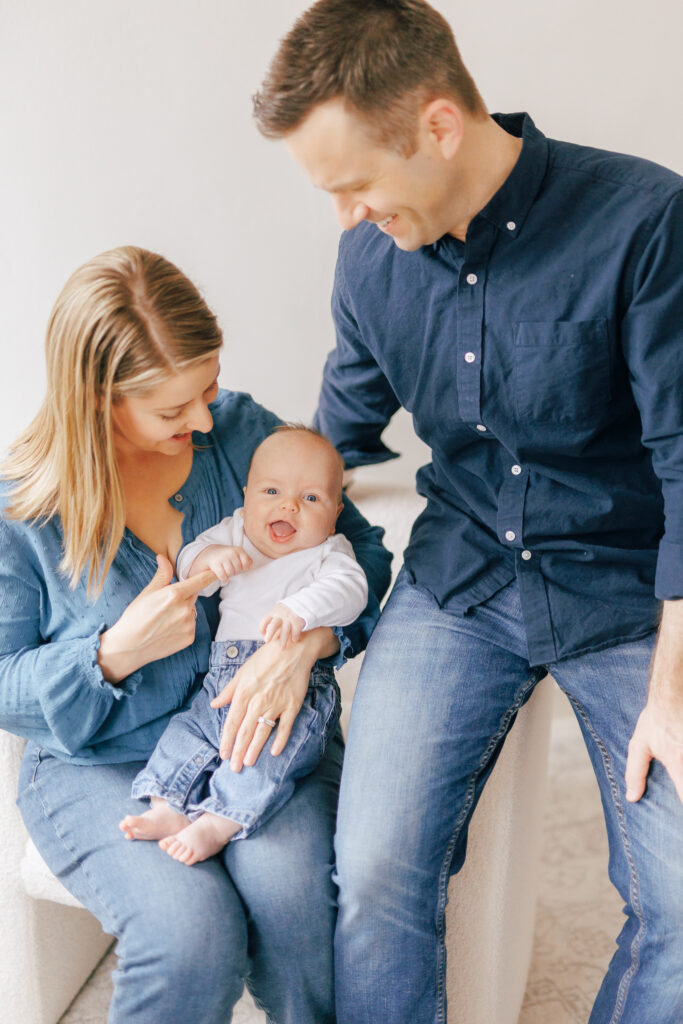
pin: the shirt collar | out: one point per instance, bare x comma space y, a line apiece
513, 200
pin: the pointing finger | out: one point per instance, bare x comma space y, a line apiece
193, 584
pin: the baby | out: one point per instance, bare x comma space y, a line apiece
282, 570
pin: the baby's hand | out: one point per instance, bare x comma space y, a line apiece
283, 621
223, 559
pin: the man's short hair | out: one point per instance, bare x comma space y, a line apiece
385, 58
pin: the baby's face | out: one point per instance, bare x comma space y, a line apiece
292, 498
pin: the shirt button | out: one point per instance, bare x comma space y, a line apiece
511, 225
470, 357
232, 651
472, 279
510, 535
178, 497
516, 470
480, 426
526, 555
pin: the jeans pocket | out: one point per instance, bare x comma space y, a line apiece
561, 370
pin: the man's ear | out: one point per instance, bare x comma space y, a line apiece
442, 123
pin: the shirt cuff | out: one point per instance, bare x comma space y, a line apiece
669, 574
345, 649
362, 457
127, 686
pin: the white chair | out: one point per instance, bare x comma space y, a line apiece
49, 945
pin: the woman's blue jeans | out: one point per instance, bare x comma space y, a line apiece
436, 697
263, 911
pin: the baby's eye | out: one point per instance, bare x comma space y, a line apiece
271, 490
310, 497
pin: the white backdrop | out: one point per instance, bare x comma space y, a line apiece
130, 122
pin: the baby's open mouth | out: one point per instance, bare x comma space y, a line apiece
281, 530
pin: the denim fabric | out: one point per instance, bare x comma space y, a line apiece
541, 362
51, 688
185, 767
262, 911
436, 697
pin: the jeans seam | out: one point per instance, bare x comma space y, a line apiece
444, 876
634, 891
77, 861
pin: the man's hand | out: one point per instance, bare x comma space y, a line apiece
282, 622
659, 730
224, 560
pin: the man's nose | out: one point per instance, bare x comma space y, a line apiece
349, 211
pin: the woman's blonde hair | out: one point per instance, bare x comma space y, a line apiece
125, 321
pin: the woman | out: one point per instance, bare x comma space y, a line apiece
135, 451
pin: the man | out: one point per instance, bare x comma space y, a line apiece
523, 299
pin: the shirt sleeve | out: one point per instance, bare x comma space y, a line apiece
356, 400
52, 691
652, 337
375, 561
226, 533
339, 592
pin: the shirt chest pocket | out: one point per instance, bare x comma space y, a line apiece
561, 371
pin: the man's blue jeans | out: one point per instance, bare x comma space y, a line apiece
435, 700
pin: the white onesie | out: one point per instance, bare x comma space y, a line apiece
325, 585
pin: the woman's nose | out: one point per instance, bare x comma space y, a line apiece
200, 418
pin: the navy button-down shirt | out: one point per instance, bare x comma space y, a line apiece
542, 361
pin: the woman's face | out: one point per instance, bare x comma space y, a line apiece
162, 420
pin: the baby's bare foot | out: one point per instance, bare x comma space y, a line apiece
203, 838
156, 823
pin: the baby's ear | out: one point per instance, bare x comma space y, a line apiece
340, 506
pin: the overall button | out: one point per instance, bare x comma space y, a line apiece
232, 651
480, 426
510, 535
178, 497
516, 470
511, 225
470, 357
197, 760
471, 278
526, 555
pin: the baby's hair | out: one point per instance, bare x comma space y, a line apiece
303, 428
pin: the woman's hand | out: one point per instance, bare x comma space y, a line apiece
160, 621
271, 684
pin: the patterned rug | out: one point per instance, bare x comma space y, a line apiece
579, 914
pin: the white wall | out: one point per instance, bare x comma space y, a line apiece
130, 122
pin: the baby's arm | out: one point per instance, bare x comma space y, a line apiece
220, 549
225, 560
336, 596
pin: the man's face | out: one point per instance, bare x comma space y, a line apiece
409, 198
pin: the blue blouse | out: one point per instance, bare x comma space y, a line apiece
51, 687
542, 361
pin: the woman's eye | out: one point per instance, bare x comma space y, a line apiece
173, 416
